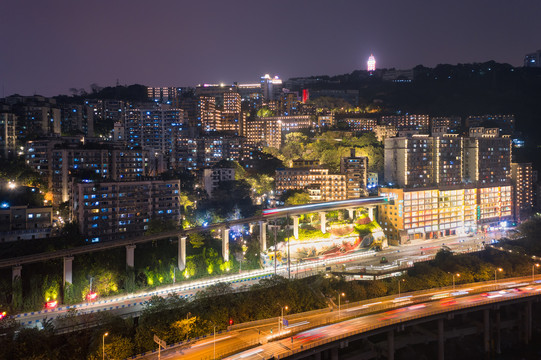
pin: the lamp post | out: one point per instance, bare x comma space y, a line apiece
339, 297
496, 274
103, 344
214, 343
281, 319
275, 229
533, 271
399, 281
458, 275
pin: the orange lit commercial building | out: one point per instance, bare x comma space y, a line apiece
448, 185
433, 213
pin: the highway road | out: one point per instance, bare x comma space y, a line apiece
323, 334
130, 304
307, 329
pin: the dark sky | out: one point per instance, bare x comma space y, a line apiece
50, 46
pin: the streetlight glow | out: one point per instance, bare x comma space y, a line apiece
103, 345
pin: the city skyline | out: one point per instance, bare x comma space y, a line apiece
62, 45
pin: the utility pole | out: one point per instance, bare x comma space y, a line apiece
288, 253
275, 229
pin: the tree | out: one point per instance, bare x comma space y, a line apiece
296, 198
197, 240
118, 347
182, 329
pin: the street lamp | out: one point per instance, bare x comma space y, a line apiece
281, 319
458, 275
103, 344
495, 274
339, 297
214, 345
533, 271
399, 281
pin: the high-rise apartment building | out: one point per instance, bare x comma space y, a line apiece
208, 115
108, 111
409, 162
8, 134
271, 87
523, 199
154, 129
164, 95
487, 157
355, 168
77, 119
120, 210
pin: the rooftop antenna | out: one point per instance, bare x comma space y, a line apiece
117, 82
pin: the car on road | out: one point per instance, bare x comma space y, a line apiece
383, 260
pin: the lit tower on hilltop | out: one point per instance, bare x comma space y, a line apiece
371, 63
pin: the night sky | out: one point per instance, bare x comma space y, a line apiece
50, 46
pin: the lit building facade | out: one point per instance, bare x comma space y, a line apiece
487, 157
271, 87
523, 197
505, 123
25, 223
321, 185
119, 210
419, 123
433, 213
213, 177
77, 119
361, 124
355, 168
8, 134
154, 129
383, 132
207, 114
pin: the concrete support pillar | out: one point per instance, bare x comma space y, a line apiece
497, 335
441, 340
371, 212
181, 253
390, 344
16, 272
528, 323
351, 213
323, 220
130, 258
225, 244
486, 335
262, 235
295, 226
334, 354
68, 270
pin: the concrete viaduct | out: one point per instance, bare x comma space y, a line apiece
224, 227
493, 321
